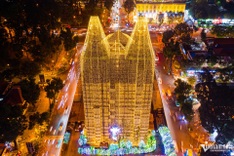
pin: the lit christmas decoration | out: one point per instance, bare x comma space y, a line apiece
123, 148
167, 141
82, 140
117, 74
115, 132
142, 144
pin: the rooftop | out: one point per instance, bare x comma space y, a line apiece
160, 1
14, 96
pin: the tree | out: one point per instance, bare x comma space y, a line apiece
129, 6
12, 123
187, 109
203, 35
30, 90
226, 74
44, 117
182, 92
53, 87
182, 28
108, 4
167, 35
216, 111
79, 20
170, 50
38, 118
33, 119
192, 80
9, 74
186, 38
199, 9
30, 69
67, 37
182, 87
206, 75
223, 31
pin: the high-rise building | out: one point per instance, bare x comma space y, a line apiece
117, 81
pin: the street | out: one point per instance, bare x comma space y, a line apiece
60, 114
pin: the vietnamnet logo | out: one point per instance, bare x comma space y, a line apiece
217, 147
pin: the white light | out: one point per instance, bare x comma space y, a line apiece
183, 117
114, 132
213, 135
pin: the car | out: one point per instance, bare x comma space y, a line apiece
60, 127
156, 58
177, 103
76, 127
79, 126
168, 92
189, 152
67, 86
82, 32
159, 80
66, 110
54, 131
59, 142
51, 127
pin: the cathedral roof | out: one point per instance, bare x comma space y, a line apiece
118, 36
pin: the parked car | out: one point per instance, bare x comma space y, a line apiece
60, 127
79, 126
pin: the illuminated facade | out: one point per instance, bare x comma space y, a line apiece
151, 9
117, 82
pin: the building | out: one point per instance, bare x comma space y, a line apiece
11, 94
193, 51
159, 9
221, 48
117, 74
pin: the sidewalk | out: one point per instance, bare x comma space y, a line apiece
33, 135
77, 112
196, 130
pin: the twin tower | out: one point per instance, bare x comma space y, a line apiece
117, 74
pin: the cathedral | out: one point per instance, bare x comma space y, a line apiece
117, 74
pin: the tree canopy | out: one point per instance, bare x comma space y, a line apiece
12, 122
38, 118
171, 49
167, 35
182, 93
30, 28
30, 90
53, 87
129, 6
182, 28
30, 69
108, 4
216, 110
223, 31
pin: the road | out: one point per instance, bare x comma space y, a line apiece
73, 145
178, 127
54, 139
77, 114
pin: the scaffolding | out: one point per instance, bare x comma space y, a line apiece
117, 74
